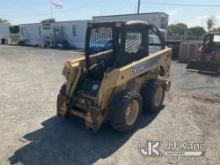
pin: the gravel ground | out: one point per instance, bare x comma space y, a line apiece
31, 134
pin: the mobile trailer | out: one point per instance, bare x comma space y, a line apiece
4, 33
72, 32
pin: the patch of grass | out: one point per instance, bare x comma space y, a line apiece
15, 39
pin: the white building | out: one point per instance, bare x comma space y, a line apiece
4, 33
71, 31
159, 19
74, 32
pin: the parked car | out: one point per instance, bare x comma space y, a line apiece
100, 46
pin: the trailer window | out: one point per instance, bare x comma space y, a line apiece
164, 23
74, 30
46, 26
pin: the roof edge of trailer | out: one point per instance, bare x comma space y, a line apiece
57, 22
130, 14
213, 33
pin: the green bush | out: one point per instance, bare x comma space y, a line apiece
15, 39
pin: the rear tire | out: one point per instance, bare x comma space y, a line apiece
153, 95
125, 110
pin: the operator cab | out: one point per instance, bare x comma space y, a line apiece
113, 45
116, 44
211, 42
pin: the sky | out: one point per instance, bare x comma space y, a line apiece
33, 11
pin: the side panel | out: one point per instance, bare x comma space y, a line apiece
134, 75
159, 59
107, 87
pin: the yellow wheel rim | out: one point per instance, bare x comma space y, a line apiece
132, 112
158, 96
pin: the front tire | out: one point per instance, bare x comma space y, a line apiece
125, 110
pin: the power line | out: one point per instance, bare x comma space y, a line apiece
98, 1
126, 2
182, 4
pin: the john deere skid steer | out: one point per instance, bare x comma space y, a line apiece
121, 74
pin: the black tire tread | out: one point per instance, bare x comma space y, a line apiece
147, 94
118, 107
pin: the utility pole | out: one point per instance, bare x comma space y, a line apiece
51, 9
139, 4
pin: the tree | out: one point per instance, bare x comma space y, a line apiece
49, 20
5, 21
216, 29
197, 31
179, 28
210, 23
14, 29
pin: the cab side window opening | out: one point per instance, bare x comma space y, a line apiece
157, 40
151, 40
133, 46
154, 42
133, 42
216, 38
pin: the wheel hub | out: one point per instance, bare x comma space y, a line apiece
132, 112
158, 96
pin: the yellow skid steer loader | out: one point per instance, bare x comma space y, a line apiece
121, 74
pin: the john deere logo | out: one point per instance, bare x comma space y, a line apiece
145, 65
